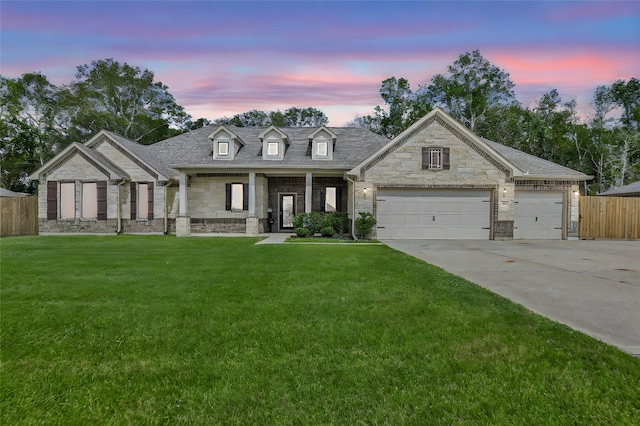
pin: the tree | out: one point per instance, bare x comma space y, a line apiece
124, 99
33, 128
303, 117
403, 108
292, 117
470, 88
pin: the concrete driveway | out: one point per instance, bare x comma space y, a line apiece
592, 286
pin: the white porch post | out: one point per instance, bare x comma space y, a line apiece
183, 221
252, 194
252, 222
308, 194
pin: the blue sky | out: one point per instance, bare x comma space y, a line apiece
222, 58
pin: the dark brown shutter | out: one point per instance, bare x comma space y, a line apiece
227, 202
446, 154
150, 213
134, 206
245, 196
101, 187
425, 158
52, 200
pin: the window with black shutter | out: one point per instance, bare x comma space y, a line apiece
236, 196
52, 200
102, 199
134, 199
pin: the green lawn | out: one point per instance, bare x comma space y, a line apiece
165, 330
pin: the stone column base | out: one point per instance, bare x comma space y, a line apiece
252, 226
183, 226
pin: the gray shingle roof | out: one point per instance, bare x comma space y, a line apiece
534, 167
194, 148
143, 152
633, 189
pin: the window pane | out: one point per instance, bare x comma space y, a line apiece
90, 200
236, 196
435, 158
67, 200
330, 202
272, 148
223, 148
143, 201
321, 149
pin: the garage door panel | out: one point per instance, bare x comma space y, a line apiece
433, 214
538, 215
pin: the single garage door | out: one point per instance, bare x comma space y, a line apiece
538, 215
433, 214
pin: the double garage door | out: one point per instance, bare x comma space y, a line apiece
463, 214
433, 214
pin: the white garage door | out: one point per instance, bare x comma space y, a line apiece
538, 215
433, 214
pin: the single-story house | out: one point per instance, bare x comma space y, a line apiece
435, 180
631, 190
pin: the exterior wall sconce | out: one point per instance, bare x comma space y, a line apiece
504, 190
365, 191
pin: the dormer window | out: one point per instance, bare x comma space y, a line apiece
223, 148
273, 148
225, 144
274, 144
322, 149
322, 142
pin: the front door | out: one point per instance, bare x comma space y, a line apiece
287, 210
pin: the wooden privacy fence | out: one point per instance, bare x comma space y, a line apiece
18, 216
609, 217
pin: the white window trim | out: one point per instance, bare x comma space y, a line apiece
435, 158
275, 144
223, 152
237, 197
89, 206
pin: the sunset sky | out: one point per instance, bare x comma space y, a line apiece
222, 58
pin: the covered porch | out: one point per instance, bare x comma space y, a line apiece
254, 202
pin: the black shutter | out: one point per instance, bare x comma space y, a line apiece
150, 213
134, 206
338, 199
102, 199
245, 196
446, 154
425, 158
52, 200
323, 199
227, 203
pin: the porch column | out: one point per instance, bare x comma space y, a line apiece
252, 194
308, 194
252, 222
183, 221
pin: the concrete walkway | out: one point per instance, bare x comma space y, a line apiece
277, 238
591, 286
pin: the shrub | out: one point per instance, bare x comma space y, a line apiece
340, 222
313, 222
364, 224
303, 232
298, 220
327, 231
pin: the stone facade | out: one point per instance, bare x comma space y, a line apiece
79, 169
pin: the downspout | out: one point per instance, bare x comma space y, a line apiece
353, 215
119, 220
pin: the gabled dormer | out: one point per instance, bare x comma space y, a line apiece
323, 142
274, 143
226, 144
